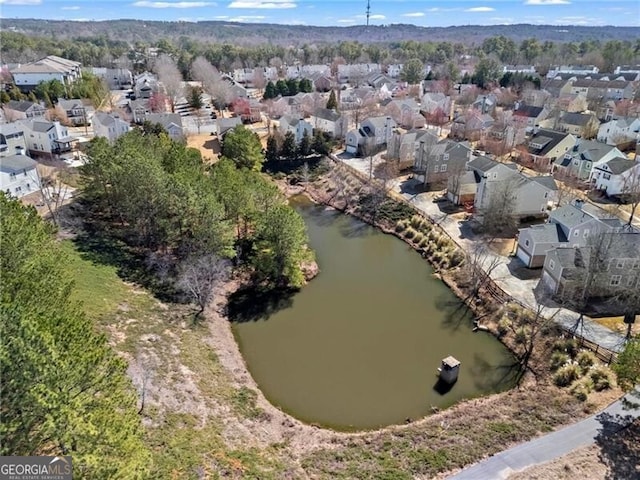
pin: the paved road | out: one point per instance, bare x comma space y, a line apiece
551, 446
503, 274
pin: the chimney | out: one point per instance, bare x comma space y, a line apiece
578, 203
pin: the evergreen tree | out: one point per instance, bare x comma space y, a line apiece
332, 103
64, 392
270, 91
243, 147
4, 97
306, 86
320, 144
412, 71
289, 150
282, 88
293, 86
304, 149
273, 152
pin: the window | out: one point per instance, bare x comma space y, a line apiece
607, 176
24, 172
636, 264
526, 243
585, 234
552, 264
620, 264
436, 168
630, 281
576, 233
546, 194
18, 189
495, 175
12, 176
443, 168
445, 157
615, 280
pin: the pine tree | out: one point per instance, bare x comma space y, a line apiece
289, 150
273, 153
304, 149
270, 91
332, 103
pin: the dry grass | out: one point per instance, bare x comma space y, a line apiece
617, 324
207, 144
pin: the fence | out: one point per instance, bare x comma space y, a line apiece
490, 286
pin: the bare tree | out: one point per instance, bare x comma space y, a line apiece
259, 80
454, 181
54, 194
478, 267
170, 77
198, 278
631, 191
426, 157
498, 214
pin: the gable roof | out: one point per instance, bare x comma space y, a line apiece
528, 111
620, 165
549, 139
546, 181
482, 164
546, 233
165, 119
326, 114
580, 119
22, 105
569, 216
16, 163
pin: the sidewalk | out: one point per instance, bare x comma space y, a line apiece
520, 289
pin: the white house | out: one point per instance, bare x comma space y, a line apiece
572, 69
297, 126
18, 175
109, 126
43, 136
618, 176
29, 75
171, 122
329, 121
12, 139
620, 130
374, 131
116, 78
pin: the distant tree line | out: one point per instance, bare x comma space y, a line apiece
225, 56
287, 88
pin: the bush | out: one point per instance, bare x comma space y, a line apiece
558, 360
568, 346
437, 256
443, 241
522, 333
416, 222
409, 233
424, 242
601, 378
456, 258
418, 238
504, 325
400, 226
586, 360
566, 375
581, 389
434, 236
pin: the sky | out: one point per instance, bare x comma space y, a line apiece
337, 12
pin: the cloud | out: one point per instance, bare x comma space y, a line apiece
346, 20
71, 8
377, 16
480, 9
269, 4
547, 2
149, 4
20, 2
413, 14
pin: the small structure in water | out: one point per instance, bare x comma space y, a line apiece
449, 370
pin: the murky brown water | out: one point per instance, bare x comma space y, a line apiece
359, 346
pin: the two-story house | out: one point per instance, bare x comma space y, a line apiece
584, 125
374, 132
403, 145
599, 271
109, 126
27, 76
529, 116
18, 175
12, 139
570, 225
617, 177
76, 111
329, 121
23, 110
296, 125
171, 122
579, 161
45, 137
620, 131
545, 147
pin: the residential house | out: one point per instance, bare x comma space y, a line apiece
632, 70
378, 80
394, 70
471, 125
404, 145
249, 110
584, 125
603, 89
109, 126
23, 110
545, 147
138, 110
146, 84
617, 177
435, 104
374, 132
171, 122
12, 139
525, 69
406, 113
557, 87
76, 112
572, 70
356, 74
485, 103
620, 131
223, 125
535, 98
569, 103
579, 161
571, 225
45, 137
529, 116
321, 82
29, 75
329, 121
531, 195
435, 163
18, 175
238, 91
296, 125
116, 78
610, 268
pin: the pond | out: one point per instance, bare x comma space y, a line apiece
359, 346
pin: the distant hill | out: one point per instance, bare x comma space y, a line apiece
289, 35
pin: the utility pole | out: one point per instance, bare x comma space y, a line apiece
368, 11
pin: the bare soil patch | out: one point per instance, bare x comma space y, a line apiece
208, 145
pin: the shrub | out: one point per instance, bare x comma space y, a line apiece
558, 360
522, 333
443, 241
601, 378
568, 346
437, 256
400, 226
566, 375
433, 236
424, 242
418, 238
416, 222
581, 389
409, 233
586, 360
504, 325
456, 258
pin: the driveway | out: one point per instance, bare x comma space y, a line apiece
508, 275
596, 428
